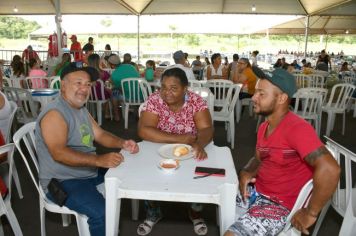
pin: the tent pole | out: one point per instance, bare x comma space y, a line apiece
138, 38
306, 35
58, 19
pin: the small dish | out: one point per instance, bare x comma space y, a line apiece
168, 165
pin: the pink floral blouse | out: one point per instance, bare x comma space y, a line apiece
180, 122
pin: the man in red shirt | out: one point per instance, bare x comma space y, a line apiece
76, 48
28, 54
288, 154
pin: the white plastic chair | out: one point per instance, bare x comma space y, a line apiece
338, 100
227, 112
243, 102
322, 91
219, 88
27, 110
344, 198
348, 80
36, 82
194, 84
15, 82
317, 81
133, 96
310, 104
55, 82
5, 204
93, 99
145, 88
302, 81
26, 135
302, 202
8, 137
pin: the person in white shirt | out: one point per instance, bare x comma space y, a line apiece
179, 60
254, 58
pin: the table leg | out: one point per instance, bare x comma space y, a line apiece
135, 206
227, 206
112, 207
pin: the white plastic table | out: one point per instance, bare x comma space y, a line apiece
44, 96
139, 177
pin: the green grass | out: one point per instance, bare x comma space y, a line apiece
193, 44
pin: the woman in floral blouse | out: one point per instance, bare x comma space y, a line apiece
175, 115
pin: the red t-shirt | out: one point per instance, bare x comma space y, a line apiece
283, 171
77, 51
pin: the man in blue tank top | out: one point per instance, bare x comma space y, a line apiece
65, 133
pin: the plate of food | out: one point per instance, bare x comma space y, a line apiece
176, 151
168, 165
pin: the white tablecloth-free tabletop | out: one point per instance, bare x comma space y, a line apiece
44, 96
139, 177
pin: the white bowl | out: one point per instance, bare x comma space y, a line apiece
168, 165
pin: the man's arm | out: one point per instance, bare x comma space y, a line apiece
325, 178
55, 137
248, 173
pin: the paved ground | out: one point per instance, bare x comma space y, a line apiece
176, 221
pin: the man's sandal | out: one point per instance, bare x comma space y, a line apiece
200, 227
146, 227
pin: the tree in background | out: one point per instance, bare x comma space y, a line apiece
16, 27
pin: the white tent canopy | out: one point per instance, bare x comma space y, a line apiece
149, 7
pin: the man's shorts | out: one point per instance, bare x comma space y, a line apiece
117, 94
262, 217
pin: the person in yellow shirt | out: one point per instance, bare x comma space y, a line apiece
244, 75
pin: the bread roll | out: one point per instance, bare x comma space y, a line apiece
179, 151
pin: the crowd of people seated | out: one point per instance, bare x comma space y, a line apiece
173, 114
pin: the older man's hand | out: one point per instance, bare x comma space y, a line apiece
109, 160
130, 146
302, 220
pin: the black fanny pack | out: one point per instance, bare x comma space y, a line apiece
58, 194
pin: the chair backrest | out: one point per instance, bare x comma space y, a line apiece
347, 161
348, 79
23, 99
55, 82
301, 202
35, 82
194, 83
322, 91
302, 80
145, 88
6, 82
231, 98
310, 103
219, 88
16, 82
131, 90
24, 139
94, 95
11, 119
317, 81
340, 95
